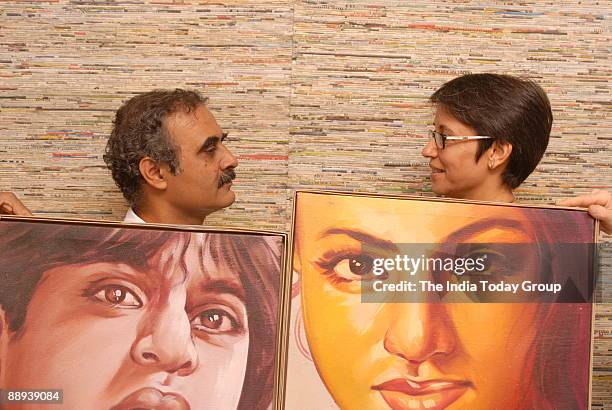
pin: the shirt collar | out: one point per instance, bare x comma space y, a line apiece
131, 217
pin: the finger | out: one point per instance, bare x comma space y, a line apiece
14, 208
603, 215
601, 198
6, 209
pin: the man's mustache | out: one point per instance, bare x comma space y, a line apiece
227, 177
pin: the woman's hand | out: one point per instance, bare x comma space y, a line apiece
599, 204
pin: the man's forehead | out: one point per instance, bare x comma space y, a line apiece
193, 126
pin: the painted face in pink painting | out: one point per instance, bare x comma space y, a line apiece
172, 334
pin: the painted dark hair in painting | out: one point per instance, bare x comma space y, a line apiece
560, 358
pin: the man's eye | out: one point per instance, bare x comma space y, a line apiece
354, 268
118, 296
215, 321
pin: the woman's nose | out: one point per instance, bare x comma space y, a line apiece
420, 331
430, 150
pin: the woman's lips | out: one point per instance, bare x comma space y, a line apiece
149, 398
430, 394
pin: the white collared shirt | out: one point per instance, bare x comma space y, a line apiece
132, 218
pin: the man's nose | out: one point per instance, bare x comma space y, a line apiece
229, 160
420, 332
166, 343
430, 150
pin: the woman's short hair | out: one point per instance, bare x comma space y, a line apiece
506, 108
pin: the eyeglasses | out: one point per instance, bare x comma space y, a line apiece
440, 139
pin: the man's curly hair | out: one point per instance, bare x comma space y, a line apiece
139, 131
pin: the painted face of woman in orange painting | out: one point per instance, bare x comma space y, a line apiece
410, 355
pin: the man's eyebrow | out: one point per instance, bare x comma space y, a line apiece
212, 141
227, 286
484, 225
360, 236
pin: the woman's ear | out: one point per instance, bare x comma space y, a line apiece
499, 154
153, 173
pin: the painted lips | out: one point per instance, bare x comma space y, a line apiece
430, 394
149, 398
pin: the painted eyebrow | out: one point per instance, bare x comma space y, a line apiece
360, 236
212, 141
140, 278
227, 286
484, 225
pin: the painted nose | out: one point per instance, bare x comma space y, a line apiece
166, 343
420, 332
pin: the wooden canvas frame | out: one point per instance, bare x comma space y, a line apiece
331, 194
277, 241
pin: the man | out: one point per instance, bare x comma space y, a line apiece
11, 205
166, 155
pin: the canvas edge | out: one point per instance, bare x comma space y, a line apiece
145, 226
436, 199
284, 284
596, 241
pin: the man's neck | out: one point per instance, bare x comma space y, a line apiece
166, 216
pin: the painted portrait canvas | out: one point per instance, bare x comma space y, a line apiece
149, 317
512, 333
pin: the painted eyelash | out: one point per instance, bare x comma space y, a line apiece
335, 255
329, 263
236, 322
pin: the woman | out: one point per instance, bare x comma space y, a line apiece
139, 318
490, 133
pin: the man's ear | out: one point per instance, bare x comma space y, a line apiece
153, 173
499, 154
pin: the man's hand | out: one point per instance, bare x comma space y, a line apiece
10, 205
599, 204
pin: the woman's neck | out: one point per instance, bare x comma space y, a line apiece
482, 193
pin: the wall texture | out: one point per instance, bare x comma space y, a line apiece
315, 94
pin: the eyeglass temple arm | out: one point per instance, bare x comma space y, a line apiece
470, 137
